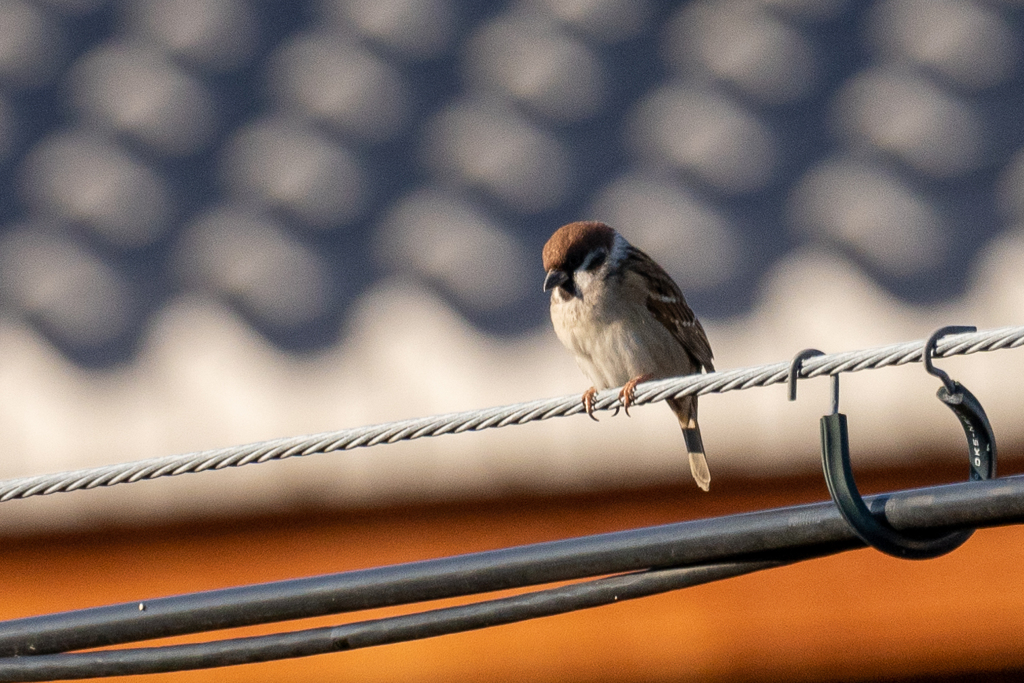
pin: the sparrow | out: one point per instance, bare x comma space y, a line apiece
625, 321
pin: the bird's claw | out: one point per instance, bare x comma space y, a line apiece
588, 402
628, 391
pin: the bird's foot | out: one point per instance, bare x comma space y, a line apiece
626, 394
588, 402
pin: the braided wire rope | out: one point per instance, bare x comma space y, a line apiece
502, 416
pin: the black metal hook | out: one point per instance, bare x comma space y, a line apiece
981, 441
794, 369
835, 459
794, 375
929, 350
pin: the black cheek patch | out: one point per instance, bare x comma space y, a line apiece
598, 260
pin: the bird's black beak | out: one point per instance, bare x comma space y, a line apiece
555, 278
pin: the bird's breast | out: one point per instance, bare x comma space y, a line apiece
613, 346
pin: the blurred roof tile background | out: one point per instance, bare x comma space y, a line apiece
286, 164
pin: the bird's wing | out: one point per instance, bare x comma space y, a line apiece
668, 306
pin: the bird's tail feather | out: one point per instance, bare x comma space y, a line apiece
686, 411
698, 461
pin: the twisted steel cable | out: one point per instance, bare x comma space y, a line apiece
501, 416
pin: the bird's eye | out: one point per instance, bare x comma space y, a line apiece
594, 259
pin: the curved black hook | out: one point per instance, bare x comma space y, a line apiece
835, 460
981, 441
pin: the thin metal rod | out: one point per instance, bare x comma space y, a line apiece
763, 534
835, 394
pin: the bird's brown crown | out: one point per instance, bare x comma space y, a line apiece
571, 243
